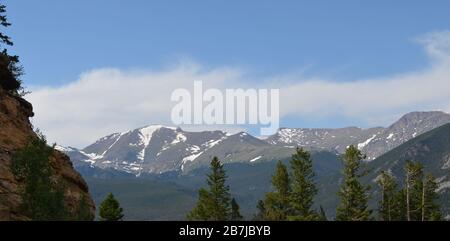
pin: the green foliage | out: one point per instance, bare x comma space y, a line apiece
277, 203
4, 22
417, 201
399, 206
261, 214
10, 69
303, 188
110, 209
213, 204
294, 194
145, 199
354, 195
83, 211
388, 189
42, 195
235, 213
431, 210
202, 210
413, 186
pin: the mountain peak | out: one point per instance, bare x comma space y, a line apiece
160, 126
423, 115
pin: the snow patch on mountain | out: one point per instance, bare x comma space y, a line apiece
179, 138
64, 149
443, 185
255, 159
109, 148
92, 156
390, 136
146, 133
189, 159
365, 143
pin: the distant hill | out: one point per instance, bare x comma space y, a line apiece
170, 196
144, 199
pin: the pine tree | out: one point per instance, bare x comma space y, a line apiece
202, 208
4, 22
42, 194
413, 190
277, 202
430, 207
235, 213
387, 189
10, 70
213, 204
261, 214
110, 209
354, 195
303, 188
398, 212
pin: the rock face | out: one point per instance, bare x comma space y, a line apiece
15, 132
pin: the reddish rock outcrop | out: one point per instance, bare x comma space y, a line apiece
15, 132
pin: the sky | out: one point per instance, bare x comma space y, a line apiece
97, 67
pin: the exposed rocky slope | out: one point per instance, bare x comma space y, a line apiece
158, 149
373, 142
15, 132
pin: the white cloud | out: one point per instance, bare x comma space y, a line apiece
110, 100
380, 98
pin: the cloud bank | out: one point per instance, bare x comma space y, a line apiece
104, 101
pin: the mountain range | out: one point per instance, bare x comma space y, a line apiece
158, 165
157, 149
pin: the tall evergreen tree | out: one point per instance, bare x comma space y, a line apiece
42, 194
277, 203
387, 189
398, 212
213, 204
261, 214
10, 69
303, 188
4, 22
110, 209
235, 213
354, 195
430, 206
413, 190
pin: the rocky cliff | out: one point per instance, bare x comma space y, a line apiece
15, 132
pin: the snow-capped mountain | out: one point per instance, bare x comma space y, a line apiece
325, 139
373, 142
159, 149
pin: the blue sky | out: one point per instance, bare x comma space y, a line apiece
58, 40
341, 41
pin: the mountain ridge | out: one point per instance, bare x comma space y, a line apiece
159, 148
